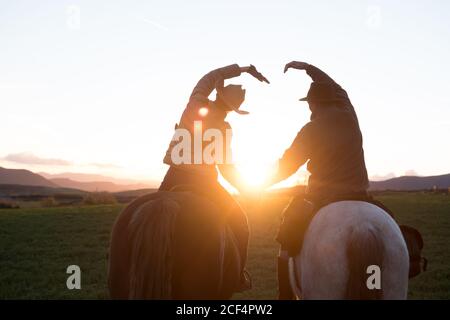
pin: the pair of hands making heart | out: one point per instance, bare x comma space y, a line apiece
244, 188
258, 75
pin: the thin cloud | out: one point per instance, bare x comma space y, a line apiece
382, 177
411, 172
155, 24
29, 158
105, 165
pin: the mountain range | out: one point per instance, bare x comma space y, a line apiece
65, 180
410, 183
24, 177
89, 182
97, 185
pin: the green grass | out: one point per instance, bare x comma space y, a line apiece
37, 245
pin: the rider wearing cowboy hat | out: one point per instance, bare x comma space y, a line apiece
204, 176
331, 143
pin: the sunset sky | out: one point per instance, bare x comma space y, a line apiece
97, 86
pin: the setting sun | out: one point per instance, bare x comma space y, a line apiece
254, 174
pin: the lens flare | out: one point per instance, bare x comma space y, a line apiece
203, 112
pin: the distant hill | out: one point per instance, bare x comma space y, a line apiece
62, 181
23, 177
89, 177
10, 190
82, 177
62, 195
28, 178
409, 183
96, 185
404, 183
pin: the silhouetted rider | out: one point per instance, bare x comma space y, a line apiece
204, 176
331, 143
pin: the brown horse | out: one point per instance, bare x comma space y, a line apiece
173, 245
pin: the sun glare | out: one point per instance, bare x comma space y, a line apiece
255, 174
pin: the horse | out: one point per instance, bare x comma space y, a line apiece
343, 240
173, 245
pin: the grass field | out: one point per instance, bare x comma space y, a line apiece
37, 245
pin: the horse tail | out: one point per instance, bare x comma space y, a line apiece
365, 248
152, 229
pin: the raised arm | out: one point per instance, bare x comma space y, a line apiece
318, 75
209, 81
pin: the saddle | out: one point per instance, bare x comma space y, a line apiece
300, 213
414, 243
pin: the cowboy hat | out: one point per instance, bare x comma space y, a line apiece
232, 95
320, 92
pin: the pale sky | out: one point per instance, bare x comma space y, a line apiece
97, 86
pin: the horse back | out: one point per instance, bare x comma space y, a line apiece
327, 258
198, 252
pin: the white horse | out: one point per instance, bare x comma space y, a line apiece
342, 241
